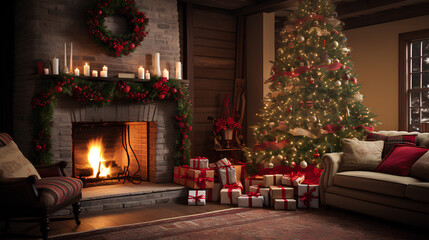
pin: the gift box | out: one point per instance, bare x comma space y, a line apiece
284, 204
213, 194
197, 197
253, 180
229, 193
239, 172
251, 200
181, 175
226, 172
265, 192
200, 178
293, 179
280, 192
308, 196
272, 180
199, 163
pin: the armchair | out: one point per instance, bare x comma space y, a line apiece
31, 196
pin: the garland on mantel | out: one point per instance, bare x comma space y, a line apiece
99, 93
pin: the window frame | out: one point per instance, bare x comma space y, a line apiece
404, 79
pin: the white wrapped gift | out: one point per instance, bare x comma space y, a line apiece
293, 179
308, 196
197, 197
226, 172
199, 163
251, 200
265, 192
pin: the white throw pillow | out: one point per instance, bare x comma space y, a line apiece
361, 155
13, 163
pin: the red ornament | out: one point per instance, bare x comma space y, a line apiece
126, 89
309, 103
58, 89
310, 80
316, 154
132, 46
339, 118
161, 96
173, 90
353, 80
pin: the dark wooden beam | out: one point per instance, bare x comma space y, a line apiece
265, 6
387, 16
357, 6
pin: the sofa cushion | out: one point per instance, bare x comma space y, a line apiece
13, 163
400, 160
420, 168
391, 141
361, 155
56, 190
418, 191
382, 183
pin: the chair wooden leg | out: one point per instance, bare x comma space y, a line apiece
76, 212
44, 226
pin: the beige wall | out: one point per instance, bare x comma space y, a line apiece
375, 55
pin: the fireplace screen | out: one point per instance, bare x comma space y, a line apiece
108, 152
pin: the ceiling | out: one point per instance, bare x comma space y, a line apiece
354, 13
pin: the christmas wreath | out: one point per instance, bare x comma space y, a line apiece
97, 93
123, 44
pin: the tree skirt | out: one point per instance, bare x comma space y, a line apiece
252, 223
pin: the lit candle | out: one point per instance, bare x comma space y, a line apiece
103, 73
165, 73
147, 74
71, 56
86, 70
46, 71
76, 72
94, 73
55, 66
178, 70
141, 73
105, 68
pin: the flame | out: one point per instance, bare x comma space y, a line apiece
95, 157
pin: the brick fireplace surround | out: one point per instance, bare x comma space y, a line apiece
42, 28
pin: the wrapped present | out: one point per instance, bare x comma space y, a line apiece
251, 200
253, 180
239, 172
199, 163
308, 196
197, 197
293, 179
280, 192
265, 192
272, 180
213, 194
200, 178
226, 172
229, 193
181, 175
284, 204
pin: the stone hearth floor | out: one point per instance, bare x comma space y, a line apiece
128, 195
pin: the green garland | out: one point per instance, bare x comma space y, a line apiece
100, 93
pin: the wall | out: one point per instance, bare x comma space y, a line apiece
375, 54
42, 27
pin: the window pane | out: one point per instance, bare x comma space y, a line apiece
414, 128
425, 80
425, 99
425, 115
415, 64
414, 116
415, 99
415, 49
425, 64
415, 80
426, 47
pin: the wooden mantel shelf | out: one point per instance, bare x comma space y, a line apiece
108, 79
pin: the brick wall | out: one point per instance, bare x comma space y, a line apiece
42, 27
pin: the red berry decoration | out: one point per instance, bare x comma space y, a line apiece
58, 89
161, 96
126, 89
173, 90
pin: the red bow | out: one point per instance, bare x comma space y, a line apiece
197, 197
307, 196
253, 194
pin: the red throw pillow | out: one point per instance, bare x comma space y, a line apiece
391, 141
400, 159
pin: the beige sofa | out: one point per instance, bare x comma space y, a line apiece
402, 199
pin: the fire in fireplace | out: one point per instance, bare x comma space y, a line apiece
110, 152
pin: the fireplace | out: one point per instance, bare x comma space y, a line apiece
110, 152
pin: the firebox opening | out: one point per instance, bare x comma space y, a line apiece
110, 152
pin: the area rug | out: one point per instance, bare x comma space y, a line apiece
252, 223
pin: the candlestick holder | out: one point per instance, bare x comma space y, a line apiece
66, 70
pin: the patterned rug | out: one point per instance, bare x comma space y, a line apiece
252, 223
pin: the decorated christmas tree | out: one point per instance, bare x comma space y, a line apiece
314, 100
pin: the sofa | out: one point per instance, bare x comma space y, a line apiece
403, 199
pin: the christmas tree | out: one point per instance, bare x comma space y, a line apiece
314, 100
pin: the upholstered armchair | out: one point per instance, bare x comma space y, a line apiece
27, 191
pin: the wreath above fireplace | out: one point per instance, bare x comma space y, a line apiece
123, 44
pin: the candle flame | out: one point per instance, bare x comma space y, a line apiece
95, 158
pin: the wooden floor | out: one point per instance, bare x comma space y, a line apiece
108, 218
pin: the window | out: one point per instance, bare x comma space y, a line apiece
413, 80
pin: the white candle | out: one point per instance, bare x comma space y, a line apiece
76, 72
103, 73
141, 73
65, 54
71, 56
147, 74
156, 65
165, 73
105, 68
94, 73
178, 70
86, 70
46, 71
55, 66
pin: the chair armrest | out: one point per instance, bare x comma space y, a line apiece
53, 170
18, 192
331, 163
